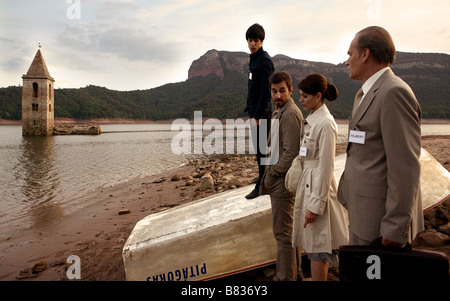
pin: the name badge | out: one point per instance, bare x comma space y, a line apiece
358, 137
302, 152
250, 75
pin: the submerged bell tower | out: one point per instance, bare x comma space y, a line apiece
38, 99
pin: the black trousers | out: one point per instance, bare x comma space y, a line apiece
260, 134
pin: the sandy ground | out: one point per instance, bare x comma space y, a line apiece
97, 233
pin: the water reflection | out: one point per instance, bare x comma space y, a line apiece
40, 179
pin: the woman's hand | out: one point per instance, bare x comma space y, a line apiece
309, 218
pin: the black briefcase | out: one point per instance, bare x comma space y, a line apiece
357, 263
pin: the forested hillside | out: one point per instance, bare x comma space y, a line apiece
217, 86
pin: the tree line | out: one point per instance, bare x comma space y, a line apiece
216, 98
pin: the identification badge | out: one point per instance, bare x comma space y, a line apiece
358, 137
250, 75
302, 152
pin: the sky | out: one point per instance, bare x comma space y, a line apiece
134, 44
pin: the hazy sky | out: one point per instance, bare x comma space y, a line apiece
136, 44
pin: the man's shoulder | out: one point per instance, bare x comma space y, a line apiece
395, 85
267, 59
263, 60
392, 81
266, 55
292, 111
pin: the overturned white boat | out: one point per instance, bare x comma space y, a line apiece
227, 234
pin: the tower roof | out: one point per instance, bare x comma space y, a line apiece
38, 67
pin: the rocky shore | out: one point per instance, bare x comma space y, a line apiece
97, 233
86, 129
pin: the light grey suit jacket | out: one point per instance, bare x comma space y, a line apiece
380, 184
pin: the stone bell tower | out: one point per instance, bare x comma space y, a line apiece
37, 99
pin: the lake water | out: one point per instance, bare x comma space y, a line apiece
38, 170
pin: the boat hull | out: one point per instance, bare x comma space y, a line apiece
226, 234
214, 237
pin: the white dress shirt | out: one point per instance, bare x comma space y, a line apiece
369, 83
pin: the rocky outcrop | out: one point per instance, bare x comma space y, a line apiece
436, 61
220, 62
88, 129
207, 64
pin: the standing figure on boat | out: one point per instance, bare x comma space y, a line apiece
259, 103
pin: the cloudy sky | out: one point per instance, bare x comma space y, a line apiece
137, 44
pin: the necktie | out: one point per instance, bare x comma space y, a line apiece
358, 98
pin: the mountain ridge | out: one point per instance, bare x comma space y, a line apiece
427, 73
213, 58
217, 86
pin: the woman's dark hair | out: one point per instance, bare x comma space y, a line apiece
315, 83
255, 31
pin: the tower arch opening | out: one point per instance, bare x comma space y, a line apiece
35, 89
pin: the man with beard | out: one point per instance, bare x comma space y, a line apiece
289, 118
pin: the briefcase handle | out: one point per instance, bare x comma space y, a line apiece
378, 243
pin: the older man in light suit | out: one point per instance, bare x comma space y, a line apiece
380, 184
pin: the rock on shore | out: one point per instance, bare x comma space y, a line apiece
87, 129
436, 236
224, 172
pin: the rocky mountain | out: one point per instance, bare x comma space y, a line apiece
218, 63
223, 62
427, 73
217, 85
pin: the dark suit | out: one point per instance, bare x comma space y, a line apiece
259, 102
380, 184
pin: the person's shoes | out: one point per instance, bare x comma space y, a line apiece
252, 195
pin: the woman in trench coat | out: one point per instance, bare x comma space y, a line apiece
319, 223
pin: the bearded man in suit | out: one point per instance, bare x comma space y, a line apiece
380, 185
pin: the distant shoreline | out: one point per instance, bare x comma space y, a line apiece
63, 121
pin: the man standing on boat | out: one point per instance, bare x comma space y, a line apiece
287, 134
259, 105
380, 184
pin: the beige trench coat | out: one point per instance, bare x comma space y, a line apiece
317, 188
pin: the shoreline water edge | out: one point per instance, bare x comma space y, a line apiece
73, 121
96, 234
